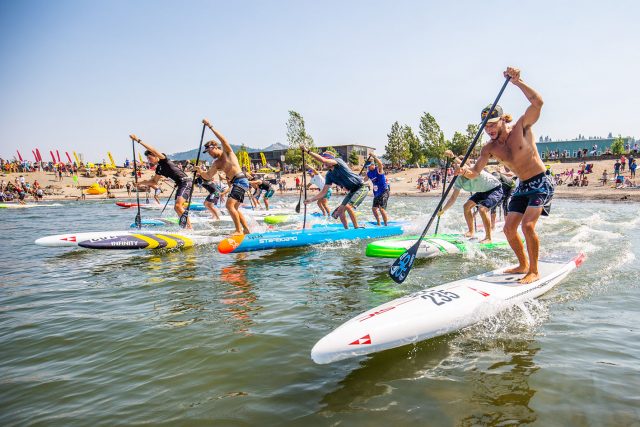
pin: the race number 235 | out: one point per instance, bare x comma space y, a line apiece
440, 297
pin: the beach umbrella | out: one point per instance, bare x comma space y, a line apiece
19, 156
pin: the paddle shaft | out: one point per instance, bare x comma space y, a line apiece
465, 158
138, 219
185, 214
304, 186
444, 184
165, 205
401, 267
365, 165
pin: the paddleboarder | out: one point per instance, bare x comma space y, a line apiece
211, 201
381, 189
318, 181
225, 160
515, 147
487, 193
260, 186
340, 174
165, 167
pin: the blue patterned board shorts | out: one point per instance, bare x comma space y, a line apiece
535, 192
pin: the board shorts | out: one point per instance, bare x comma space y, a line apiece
239, 186
506, 196
355, 197
535, 192
213, 198
488, 199
183, 189
328, 195
381, 200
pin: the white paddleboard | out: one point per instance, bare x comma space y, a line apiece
72, 239
436, 311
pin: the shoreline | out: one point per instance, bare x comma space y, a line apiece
403, 183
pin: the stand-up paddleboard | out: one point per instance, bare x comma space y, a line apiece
433, 245
194, 206
295, 238
286, 218
147, 241
150, 222
128, 204
29, 205
270, 212
72, 239
436, 311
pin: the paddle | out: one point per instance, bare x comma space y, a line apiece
138, 220
303, 173
401, 267
304, 185
444, 184
185, 215
365, 165
165, 205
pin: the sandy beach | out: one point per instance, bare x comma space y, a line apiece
402, 183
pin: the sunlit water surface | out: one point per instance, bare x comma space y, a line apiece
193, 337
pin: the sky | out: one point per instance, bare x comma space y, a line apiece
83, 75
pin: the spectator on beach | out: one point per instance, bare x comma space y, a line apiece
632, 168
623, 161
616, 167
605, 177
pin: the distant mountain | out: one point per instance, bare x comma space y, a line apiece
191, 154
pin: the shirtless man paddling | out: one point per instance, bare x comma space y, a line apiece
225, 160
515, 147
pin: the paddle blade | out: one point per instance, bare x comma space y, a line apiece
138, 220
183, 219
401, 267
298, 208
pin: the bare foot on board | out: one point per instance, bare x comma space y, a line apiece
529, 278
517, 270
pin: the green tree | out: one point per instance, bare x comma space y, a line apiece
297, 135
332, 150
415, 153
617, 146
458, 144
354, 159
433, 142
396, 149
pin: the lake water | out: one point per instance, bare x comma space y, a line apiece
193, 337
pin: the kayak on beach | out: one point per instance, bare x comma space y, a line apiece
437, 311
310, 236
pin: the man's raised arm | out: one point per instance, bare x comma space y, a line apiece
532, 114
226, 147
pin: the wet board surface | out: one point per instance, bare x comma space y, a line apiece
436, 311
